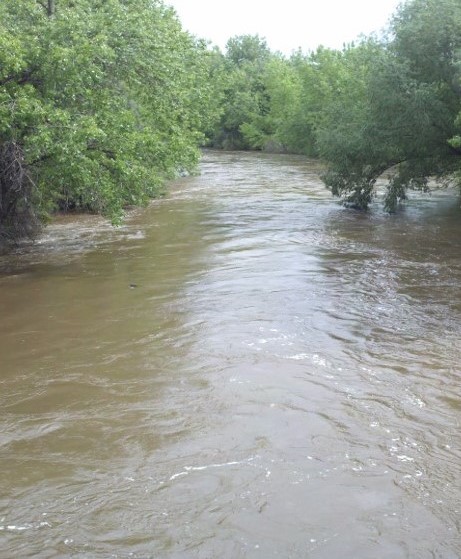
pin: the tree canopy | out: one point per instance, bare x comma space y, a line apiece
409, 121
100, 101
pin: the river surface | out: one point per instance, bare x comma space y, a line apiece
243, 370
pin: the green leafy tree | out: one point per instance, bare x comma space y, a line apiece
345, 130
407, 119
324, 75
284, 90
244, 94
100, 101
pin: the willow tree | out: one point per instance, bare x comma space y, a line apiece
100, 101
407, 119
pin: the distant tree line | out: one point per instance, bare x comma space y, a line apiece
101, 101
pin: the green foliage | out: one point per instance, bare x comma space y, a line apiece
326, 76
407, 116
105, 99
247, 49
283, 86
241, 86
345, 134
391, 105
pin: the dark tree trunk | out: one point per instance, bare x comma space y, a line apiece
51, 7
17, 215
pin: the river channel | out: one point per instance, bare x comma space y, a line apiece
245, 369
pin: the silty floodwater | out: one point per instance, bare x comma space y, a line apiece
244, 370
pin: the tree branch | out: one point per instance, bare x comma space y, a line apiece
26, 77
49, 6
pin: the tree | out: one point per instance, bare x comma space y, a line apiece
244, 95
324, 76
284, 89
407, 118
346, 131
100, 101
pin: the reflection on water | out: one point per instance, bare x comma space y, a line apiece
245, 369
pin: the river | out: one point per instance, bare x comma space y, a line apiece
243, 370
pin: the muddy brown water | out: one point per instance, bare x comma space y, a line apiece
243, 370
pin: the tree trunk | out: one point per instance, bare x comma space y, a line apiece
18, 218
